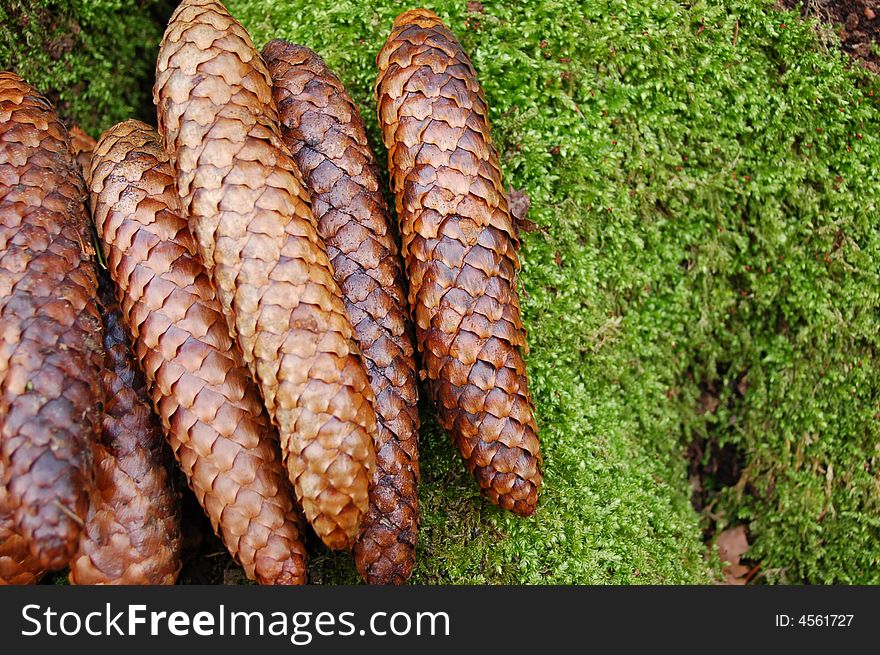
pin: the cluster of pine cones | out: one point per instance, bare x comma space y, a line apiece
232, 285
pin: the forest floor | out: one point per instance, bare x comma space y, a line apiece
856, 22
701, 280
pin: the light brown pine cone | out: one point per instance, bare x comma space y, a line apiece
256, 234
132, 531
200, 388
50, 329
327, 139
459, 245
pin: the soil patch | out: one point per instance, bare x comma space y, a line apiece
857, 22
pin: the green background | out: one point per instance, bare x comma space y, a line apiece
704, 276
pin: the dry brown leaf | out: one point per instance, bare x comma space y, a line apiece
732, 544
736, 574
519, 202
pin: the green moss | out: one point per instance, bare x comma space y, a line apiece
691, 168
93, 58
707, 268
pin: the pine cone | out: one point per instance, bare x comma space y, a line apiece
459, 245
132, 531
327, 139
50, 330
17, 565
256, 234
200, 388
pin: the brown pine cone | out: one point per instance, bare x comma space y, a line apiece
256, 234
50, 329
200, 388
82, 145
328, 141
132, 531
459, 245
17, 565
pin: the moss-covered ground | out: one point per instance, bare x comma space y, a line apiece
92, 58
705, 273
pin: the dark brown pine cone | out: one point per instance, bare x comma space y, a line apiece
327, 139
50, 329
459, 245
132, 531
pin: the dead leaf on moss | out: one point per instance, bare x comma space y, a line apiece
732, 544
518, 202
